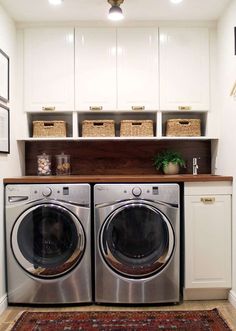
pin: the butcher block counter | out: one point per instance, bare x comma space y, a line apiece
117, 179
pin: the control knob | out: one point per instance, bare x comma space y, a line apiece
136, 191
47, 191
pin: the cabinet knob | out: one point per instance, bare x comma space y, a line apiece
184, 108
95, 108
208, 200
49, 108
138, 107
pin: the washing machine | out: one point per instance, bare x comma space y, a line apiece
137, 243
48, 253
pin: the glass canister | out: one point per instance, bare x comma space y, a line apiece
44, 164
63, 164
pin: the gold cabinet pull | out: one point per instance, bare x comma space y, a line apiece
208, 200
49, 108
138, 107
184, 108
95, 108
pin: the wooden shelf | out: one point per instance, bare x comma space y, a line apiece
74, 120
118, 179
115, 138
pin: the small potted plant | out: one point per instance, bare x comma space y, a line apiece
169, 162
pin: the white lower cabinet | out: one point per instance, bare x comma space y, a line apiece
207, 225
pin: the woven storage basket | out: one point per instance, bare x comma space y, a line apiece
49, 129
98, 128
136, 128
183, 127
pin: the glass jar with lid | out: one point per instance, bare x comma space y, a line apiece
63, 164
44, 164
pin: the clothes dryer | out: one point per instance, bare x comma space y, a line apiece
48, 243
137, 243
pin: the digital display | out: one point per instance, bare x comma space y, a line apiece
65, 190
155, 190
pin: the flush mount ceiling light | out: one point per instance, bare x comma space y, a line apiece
55, 2
115, 12
176, 1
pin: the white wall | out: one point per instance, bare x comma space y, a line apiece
226, 160
9, 163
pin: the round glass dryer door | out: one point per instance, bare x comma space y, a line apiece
137, 240
48, 240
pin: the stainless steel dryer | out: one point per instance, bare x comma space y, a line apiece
48, 243
137, 243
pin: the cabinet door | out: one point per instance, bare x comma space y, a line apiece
95, 67
208, 241
137, 68
184, 68
49, 68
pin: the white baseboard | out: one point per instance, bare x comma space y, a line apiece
205, 294
232, 298
3, 303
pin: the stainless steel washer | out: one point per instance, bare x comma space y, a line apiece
48, 243
137, 243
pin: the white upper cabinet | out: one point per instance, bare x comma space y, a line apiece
184, 68
48, 69
137, 68
95, 69
119, 69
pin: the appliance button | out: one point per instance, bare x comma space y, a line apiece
47, 191
136, 191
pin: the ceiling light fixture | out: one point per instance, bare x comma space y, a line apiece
55, 2
176, 1
115, 12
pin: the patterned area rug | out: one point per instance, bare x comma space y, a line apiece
201, 320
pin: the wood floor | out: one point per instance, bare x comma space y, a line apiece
227, 311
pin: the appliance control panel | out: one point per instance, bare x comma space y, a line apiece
108, 193
73, 193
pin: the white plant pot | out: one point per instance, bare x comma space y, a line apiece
171, 169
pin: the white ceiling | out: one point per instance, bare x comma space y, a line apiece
96, 10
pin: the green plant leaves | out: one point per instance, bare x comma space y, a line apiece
162, 159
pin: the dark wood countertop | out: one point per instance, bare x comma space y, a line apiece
116, 179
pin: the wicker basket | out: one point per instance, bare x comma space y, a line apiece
136, 128
183, 127
49, 129
98, 128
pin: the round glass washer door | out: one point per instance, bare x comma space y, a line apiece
48, 240
137, 240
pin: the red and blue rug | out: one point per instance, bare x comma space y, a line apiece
200, 320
